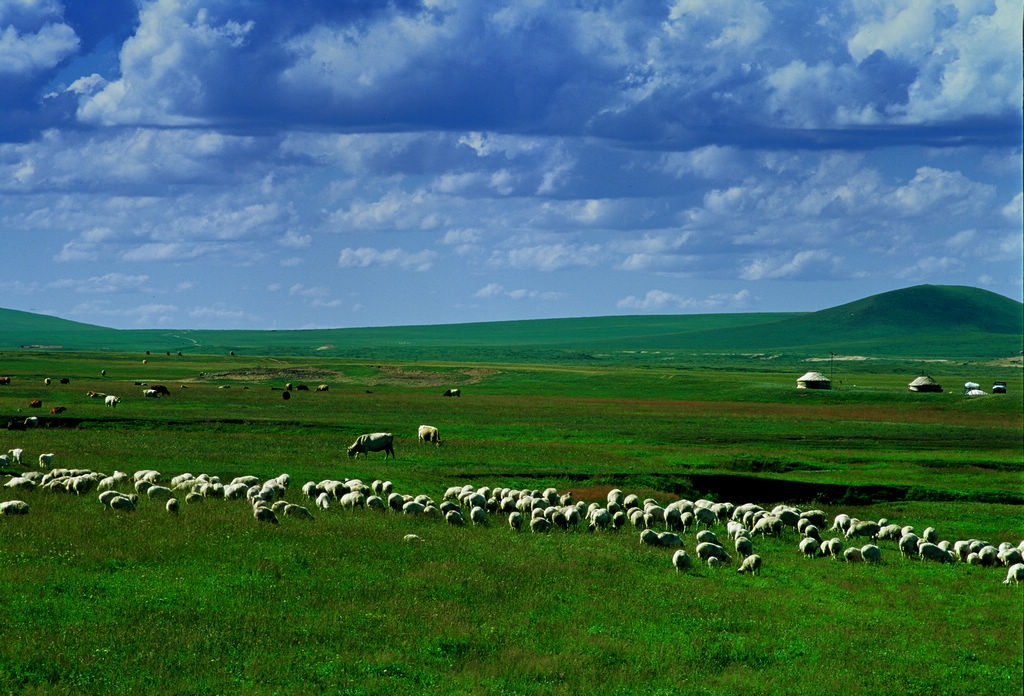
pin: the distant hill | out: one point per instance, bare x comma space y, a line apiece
924, 321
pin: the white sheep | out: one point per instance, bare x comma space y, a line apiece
540, 526
264, 514
681, 560
455, 518
172, 506
14, 507
931, 552
708, 550
809, 546
46, 459
158, 493
852, 555
751, 564
707, 536
930, 535
871, 553
122, 503
515, 520
323, 501
478, 515
1015, 573
744, 546
292, 510
15, 455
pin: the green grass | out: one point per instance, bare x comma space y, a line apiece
212, 602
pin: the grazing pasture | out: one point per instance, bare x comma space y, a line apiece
211, 601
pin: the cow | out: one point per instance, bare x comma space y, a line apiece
161, 389
5, 380
57, 410
322, 387
428, 433
46, 381
373, 442
453, 392
35, 403
65, 380
151, 393
302, 387
111, 400
31, 422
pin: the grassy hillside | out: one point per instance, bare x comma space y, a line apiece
920, 322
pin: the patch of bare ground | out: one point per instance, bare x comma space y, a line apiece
1013, 361
840, 357
386, 375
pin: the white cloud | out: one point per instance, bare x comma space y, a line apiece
492, 290
547, 257
22, 53
813, 263
489, 290
364, 257
294, 240
659, 300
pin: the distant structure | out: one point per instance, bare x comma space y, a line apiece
924, 383
999, 387
814, 380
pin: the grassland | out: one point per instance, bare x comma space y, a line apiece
211, 602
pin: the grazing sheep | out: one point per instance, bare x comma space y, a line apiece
707, 536
540, 526
15, 455
930, 535
681, 560
809, 546
515, 520
931, 552
669, 540
413, 508
713, 562
46, 459
410, 538
1010, 556
21, 482
454, 518
705, 516
708, 550
863, 528
988, 555
14, 507
478, 515
292, 510
122, 503
832, 547
852, 555
264, 514
172, 506
751, 564
649, 537
871, 553
841, 523
193, 498
744, 547
158, 492
908, 544
811, 531
1015, 573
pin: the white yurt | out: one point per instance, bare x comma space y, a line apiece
924, 383
813, 380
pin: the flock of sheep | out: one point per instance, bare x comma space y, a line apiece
719, 529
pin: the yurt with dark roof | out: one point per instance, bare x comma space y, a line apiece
924, 383
814, 380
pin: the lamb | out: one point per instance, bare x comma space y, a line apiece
1015, 573
751, 564
681, 560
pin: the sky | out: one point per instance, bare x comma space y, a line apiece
316, 164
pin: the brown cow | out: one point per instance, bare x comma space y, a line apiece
35, 403
57, 410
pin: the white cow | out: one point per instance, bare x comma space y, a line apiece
428, 433
111, 400
373, 442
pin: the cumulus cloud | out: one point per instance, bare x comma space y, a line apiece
364, 257
547, 257
492, 290
22, 53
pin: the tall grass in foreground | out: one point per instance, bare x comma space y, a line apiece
212, 602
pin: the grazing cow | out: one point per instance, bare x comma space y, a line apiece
35, 403
373, 442
46, 381
31, 422
428, 433
57, 410
161, 389
65, 380
453, 392
302, 387
111, 400
151, 393
322, 387
5, 380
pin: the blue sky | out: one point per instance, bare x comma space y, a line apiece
275, 165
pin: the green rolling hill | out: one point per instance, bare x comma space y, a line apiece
924, 321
